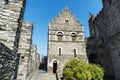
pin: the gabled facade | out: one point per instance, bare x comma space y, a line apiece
65, 40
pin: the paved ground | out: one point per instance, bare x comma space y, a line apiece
43, 75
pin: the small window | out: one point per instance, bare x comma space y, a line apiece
73, 35
102, 40
66, 21
59, 51
60, 36
22, 58
74, 52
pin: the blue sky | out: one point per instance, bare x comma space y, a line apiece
41, 12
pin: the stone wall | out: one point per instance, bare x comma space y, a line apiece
65, 39
25, 51
35, 59
8, 63
11, 16
17, 36
104, 29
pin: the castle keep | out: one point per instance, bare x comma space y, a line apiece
65, 40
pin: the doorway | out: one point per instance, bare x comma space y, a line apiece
54, 66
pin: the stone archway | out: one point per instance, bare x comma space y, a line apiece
54, 66
92, 58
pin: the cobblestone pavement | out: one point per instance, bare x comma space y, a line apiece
43, 75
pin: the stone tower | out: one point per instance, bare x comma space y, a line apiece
65, 40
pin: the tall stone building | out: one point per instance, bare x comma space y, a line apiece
104, 41
65, 40
16, 39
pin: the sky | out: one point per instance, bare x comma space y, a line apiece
41, 12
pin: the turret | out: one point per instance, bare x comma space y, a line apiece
106, 3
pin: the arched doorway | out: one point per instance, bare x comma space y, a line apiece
92, 58
54, 66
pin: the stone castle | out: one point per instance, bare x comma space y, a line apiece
103, 46
65, 41
18, 56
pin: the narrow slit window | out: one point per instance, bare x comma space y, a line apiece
59, 51
74, 52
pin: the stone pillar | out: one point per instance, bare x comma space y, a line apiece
24, 50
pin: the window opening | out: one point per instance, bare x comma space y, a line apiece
66, 21
60, 35
59, 51
74, 52
73, 35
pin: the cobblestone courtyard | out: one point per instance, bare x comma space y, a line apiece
43, 75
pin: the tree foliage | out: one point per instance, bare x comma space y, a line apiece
80, 70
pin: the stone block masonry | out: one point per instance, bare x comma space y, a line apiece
11, 17
65, 41
8, 63
24, 50
105, 39
17, 36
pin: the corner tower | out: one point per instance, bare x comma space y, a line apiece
65, 40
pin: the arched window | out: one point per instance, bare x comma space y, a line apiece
59, 51
74, 52
67, 21
73, 35
60, 36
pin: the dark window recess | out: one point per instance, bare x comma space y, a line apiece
59, 38
102, 40
59, 51
60, 35
74, 52
73, 35
22, 58
66, 21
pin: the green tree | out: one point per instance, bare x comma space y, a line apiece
80, 70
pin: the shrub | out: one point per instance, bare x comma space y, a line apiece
80, 70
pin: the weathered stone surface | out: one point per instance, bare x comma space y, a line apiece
8, 63
17, 36
104, 38
24, 50
65, 41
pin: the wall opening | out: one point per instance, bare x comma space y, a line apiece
92, 58
60, 36
74, 52
59, 51
54, 66
73, 35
